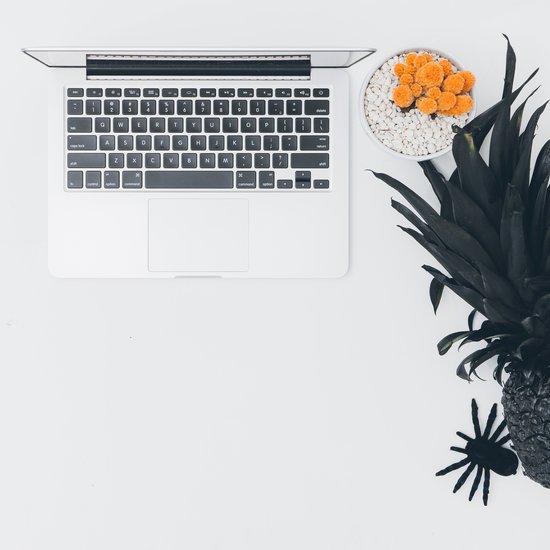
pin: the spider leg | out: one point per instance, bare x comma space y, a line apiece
453, 467
486, 482
475, 419
464, 436
498, 431
504, 439
490, 421
465, 475
475, 484
459, 450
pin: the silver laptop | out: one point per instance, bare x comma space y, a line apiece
181, 163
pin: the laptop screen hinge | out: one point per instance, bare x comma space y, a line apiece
291, 67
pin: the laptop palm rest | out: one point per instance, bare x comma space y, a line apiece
198, 235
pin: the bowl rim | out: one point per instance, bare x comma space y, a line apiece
367, 128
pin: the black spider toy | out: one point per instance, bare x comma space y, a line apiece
484, 452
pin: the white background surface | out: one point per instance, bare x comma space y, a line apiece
197, 415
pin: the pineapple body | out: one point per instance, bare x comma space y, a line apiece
526, 403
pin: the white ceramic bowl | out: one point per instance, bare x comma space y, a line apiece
363, 115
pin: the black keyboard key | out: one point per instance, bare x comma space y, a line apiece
93, 179
320, 184
289, 143
86, 160
203, 107
198, 143
81, 143
75, 107
283, 92
280, 160
180, 143
143, 143
248, 125
130, 107
302, 180
170, 92
139, 125
107, 143
245, 92
309, 160
321, 92
132, 180
225, 160
75, 180
294, 107
212, 125
284, 184
185, 107
253, 143
227, 92
264, 92
116, 160
207, 160
111, 180
275, 107
302, 92
321, 125
314, 143
188, 92
193, 125
75, 92
125, 143
266, 179
235, 143
93, 107
151, 92
239, 107
261, 160
317, 107
216, 143
200, 179
121, 125
134, 160
208, 92
266, 125
161, 143
111, 106
148, 107
285, 125
132, 92
221, 107
257, 107
175, 125
246, 180
157, 125
94, 92
79, 125
230, 125
244, 160
271, 143
102, 125
303, 125
189, 160
113, 92
170, 160
166, 107
152, 160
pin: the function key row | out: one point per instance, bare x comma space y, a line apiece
198, 92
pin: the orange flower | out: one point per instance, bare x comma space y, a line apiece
410, 69
464, 104
410, 58
454, 83
403, 96
406, 79
429, 75
428, 57
416, 90
399, 69
446, 66
427, 105
469, 80
434, 92
420, 61
446, 101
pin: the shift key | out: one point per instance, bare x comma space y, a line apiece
309, 160
86, 160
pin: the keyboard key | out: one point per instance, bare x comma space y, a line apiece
193, 125
93, 107
239, 107
225, 160
188, 160
303, 125
132, 92
125, 143
75, 180
208, 92
79, 125
221, 107
157, 125
309, 160
321, 125
86, 160
266, 179
253, 143
246, 180
152, 160
302, 180
170, 160
113, 92
132, 180
107, 143
82, 143
261, 160
75, 107
280, 160
216, 143
102, 125
248, 125
321, 92
264, 92
139, 125
285, 125
203, 107
275, 107
244, 160
284, 184
175, 125
230, 125
235, 143
170, 92
302, 92
93, 179
143, 143
211, 125
266, 125
134, 160
314, 143
111, 106
151, 92
179, 143
94, 92
75, 92
198, 143
294, 107
161, 143
316, 107
148, 107
184, 107
188, 92
289, 143
245, 92
111, 180
207, 160
283, 92
227, 92
200, 179
320, 184
257, 107
116, 160
121, 125
130, 107
166, 107
271, 143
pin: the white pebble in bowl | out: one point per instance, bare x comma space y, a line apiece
409, 133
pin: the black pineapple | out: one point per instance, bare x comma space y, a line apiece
492, 237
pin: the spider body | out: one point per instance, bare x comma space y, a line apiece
484, 451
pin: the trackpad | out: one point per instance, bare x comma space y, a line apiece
198, 234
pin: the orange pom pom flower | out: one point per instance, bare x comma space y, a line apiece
446, 101
469, 80
427, 105
410, 58
434, 92
403, 96
406, 79
430, 75
416, 89
399, 69
454, 83
446, 66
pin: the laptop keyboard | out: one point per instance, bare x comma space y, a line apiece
227, 138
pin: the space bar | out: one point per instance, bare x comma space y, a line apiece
196, 179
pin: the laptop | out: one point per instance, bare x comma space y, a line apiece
198, 163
